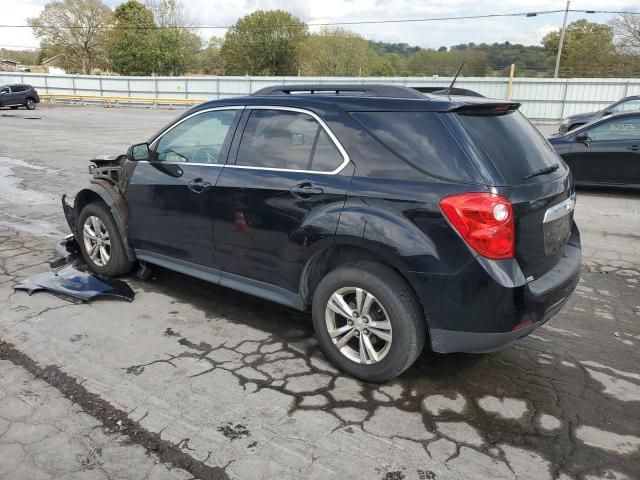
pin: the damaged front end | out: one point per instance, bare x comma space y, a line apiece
110, 177
73, 282
70, 277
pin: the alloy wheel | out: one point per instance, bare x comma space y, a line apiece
96, 240
358, 325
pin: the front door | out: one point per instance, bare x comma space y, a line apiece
170, 196
282, 193
611, 153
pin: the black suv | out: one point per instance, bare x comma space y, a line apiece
19, 95
395, 217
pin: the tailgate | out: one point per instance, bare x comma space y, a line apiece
544, 215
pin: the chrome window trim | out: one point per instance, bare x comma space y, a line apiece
336, 143
199, 112
560, 210
334, 139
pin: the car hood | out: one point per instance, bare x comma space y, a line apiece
581, 116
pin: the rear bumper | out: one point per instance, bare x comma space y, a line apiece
449, 341
472, 312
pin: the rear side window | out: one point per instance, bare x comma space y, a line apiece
286, 140
514, 146
421, 139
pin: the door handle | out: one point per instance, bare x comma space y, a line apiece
634, 148
305, 190
197, 185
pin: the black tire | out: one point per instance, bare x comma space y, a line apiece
14, 107
397, 298
30, 104
118, 264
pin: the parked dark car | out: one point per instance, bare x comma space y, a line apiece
627, 104
605, 152
395, 217
19, 95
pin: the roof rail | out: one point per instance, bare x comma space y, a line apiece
373, 90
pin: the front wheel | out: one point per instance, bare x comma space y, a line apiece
369, 321
31, 104
100, 242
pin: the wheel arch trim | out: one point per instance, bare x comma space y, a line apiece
114, 200
318, 264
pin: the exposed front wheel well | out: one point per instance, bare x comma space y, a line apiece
85, 197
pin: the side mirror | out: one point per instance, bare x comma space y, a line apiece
139, 152
583, 138
606, 113
3, 93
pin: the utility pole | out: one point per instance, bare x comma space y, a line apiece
564, 27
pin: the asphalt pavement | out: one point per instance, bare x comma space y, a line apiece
194, 380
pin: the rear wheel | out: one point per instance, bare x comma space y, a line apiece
368, 321
31, 104
100, 242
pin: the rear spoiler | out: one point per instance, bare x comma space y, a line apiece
487, 109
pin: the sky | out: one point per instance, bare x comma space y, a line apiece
528, 31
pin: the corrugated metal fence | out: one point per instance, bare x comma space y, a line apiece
543, 99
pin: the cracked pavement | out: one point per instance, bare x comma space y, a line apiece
210, 383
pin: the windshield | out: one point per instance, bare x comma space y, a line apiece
515, 147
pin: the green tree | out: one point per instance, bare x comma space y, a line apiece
588, 50
176, 44
626, 29
339, 52
447, 63
211, 58
132, 47
263, 43
77, 29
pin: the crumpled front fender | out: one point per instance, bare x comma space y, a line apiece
112, 198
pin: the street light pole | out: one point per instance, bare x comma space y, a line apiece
564, 27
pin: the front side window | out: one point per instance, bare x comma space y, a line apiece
286, 140
628, 106
626, 128
5, 90
199, 139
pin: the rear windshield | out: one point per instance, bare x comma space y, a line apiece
421, 139
515, 147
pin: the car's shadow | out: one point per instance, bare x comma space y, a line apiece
506, 396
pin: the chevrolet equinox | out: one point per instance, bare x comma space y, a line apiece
397, 218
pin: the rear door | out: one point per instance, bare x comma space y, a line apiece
21, 94
525, 168
9, 96
282, 192
170, 196
610, 154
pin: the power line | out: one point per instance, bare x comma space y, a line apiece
362, 22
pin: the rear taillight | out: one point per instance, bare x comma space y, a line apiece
485, 222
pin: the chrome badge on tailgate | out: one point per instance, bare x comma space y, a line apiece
557, 225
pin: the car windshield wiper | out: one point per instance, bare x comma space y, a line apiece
542, 171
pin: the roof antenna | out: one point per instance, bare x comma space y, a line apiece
455, 78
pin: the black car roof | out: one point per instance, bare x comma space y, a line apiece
356, 98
